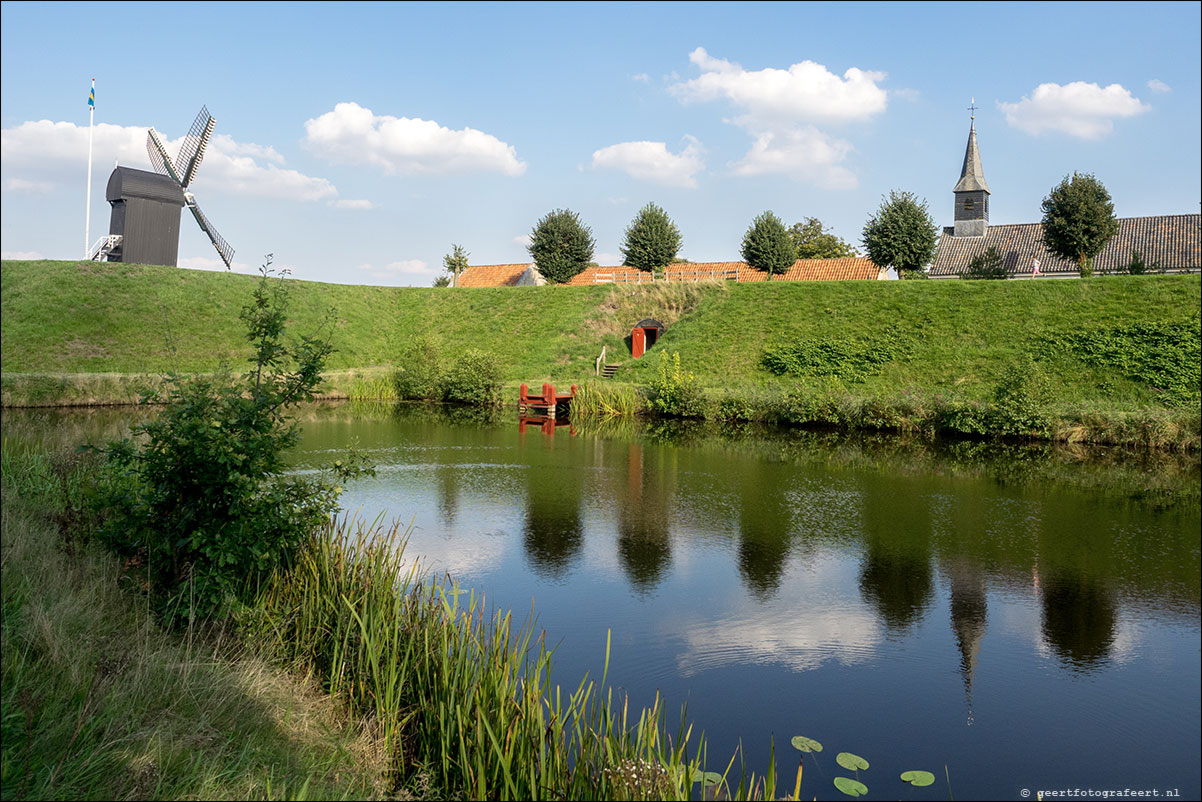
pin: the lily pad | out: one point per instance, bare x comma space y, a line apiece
918, 778
851, 787
851, 762
804, 744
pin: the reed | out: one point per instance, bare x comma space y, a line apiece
462, 693
594, 399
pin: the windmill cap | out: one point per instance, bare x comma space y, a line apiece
126, 182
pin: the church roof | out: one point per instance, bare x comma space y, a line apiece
1171, 241
972, 177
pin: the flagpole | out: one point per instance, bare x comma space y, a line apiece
87, 206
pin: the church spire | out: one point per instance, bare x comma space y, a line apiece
972, 193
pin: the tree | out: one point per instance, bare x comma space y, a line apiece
455, 263
442, 281
1078, 220
207, 501
813, 241
987, 265
652, 240
766, 245
901, 234
561, 245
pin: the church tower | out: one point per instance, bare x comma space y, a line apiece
972, 193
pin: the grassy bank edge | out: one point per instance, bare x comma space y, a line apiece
1155, 427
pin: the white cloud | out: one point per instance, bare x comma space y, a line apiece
641, 77
651, 161
214, 263
353, 134
41, 150
1159, 86
806, 91
21, 255
803, 153
779, 109
402, 270
523, 240
347, 203
28, 187
1082, 110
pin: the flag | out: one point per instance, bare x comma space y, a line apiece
92, 95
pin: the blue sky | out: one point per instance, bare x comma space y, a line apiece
358, 142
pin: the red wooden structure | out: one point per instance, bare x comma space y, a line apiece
546, 402
643, 336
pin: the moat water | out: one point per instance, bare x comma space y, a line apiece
1010, 616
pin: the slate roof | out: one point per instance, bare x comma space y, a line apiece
1172, 240
972, 177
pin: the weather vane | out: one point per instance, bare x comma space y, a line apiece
972, 108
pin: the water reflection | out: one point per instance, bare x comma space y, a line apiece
644, 544
1079, 618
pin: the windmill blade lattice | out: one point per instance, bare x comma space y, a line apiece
158, 156
223, 248
192, 151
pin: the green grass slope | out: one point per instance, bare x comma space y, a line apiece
960, 337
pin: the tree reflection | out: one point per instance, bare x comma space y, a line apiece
554, 531
895, 572
1079, 618
644, 546
765, 527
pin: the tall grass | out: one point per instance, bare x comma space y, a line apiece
99, 702
595, 399
461, 692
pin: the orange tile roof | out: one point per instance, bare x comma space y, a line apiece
491, 275
855, 268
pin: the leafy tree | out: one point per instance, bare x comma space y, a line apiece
442, 281
205, 501
766, 245
813, 241
561, 245
652, 240
901, 234
987, 265
1078, 220
455, 263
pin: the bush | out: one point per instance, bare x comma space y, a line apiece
652, 240
561, 246
206, 504
987, 265
675, 392
1020, 400
846, 359
420, 371
767, 246
473, 378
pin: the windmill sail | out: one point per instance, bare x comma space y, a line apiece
159, 158
223, 248
192, 151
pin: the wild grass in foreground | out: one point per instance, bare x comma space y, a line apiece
460, 692
99, 702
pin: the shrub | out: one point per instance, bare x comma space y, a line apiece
561, 245
675, 392
846, 359
1020, 400
651, 241
767, 246
987, 265
206, 504
474, 377
418, 375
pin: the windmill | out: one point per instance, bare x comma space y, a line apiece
144, 226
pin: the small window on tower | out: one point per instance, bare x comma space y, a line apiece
968, 204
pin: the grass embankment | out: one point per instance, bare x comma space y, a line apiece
100, 703
99, 332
